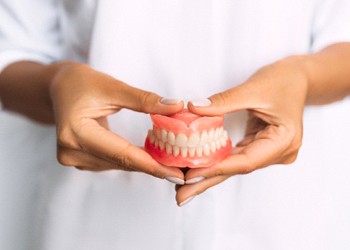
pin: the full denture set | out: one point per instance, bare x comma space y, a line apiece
187, 140
195, 145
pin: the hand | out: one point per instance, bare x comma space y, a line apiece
275, 98
82, 99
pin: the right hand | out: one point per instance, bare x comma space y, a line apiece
82, 99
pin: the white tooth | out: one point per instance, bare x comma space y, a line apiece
211, 135
193, 140
204, 138
156, 143
171, 138
199, 151
164, 135
151, 136
176, 151
221, 130
216, 134
213, 147
184, 152
192, 152
181, 140
225, 135
168, 148
159, 134
218, 144
206, 149
161, 145
223, 142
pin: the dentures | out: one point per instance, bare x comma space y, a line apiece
187, 140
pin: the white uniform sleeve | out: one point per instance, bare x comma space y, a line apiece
29, 30
331, 23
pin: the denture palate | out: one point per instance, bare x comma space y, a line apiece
194, 144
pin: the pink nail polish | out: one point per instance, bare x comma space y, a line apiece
201, 102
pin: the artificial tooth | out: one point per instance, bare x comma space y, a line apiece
223, 141
159, 134
199, 151
204, 138
192, 152
193, 140
216, 134
211, 135
206, 149
151, 136
176, 151
161, 145
218, 144
168, 148
225, 135
171, 138
184, 152
213, 147
221, 130
181, 140
164, 135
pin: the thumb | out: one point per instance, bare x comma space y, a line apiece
231, 100
147, 102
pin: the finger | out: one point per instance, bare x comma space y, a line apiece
146, 102
247, 140
85, 161
234, 99
237, 150
109, 146
188, 192
265, 150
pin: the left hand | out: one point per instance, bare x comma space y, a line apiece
275, 98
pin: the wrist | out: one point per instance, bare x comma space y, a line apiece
25, 89
300, 69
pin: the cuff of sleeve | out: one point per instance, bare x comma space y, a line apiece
11, 56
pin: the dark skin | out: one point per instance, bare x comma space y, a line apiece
78, 99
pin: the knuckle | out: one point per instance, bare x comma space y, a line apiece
294, 147
155, 172
248, 167
65, 159
145, 100
65, 138
223, 97
121, 160
290, 159
219, 171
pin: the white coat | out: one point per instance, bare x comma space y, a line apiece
184, 49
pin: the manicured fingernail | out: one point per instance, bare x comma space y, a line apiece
170, 101
186, 201
175, 180
201, 102
195, 180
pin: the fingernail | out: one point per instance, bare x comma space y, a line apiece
195, 180
175, 180
170, 101
186, 201
201, 102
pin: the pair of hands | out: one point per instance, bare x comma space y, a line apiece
83, 98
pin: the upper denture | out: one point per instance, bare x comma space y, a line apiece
186, 122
